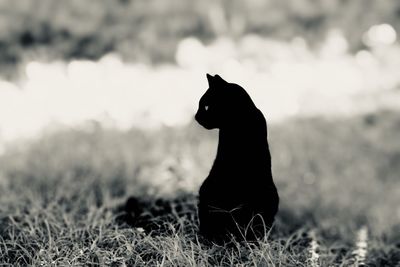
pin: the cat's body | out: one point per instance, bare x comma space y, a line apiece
239, 196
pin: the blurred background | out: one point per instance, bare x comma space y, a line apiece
135, 63
99, 96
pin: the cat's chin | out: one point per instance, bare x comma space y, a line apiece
208, 126
203, 123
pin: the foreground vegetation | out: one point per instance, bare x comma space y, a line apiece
61, 196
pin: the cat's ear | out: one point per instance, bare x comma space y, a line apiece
219, 81
215, 81
210, 79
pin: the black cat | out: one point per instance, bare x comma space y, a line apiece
239, 197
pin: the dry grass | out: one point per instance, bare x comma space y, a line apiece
59, 196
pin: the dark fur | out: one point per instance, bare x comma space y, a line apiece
239, 196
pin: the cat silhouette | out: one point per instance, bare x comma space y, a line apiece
238, 198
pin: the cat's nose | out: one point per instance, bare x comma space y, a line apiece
198, 117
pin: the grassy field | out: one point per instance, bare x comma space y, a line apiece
60, 196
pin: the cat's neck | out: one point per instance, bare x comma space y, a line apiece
239, 140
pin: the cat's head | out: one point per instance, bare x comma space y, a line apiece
222, 104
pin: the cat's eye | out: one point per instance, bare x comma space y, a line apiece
206, 107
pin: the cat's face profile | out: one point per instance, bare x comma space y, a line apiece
210, 107
223, 104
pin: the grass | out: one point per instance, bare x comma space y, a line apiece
60, 196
